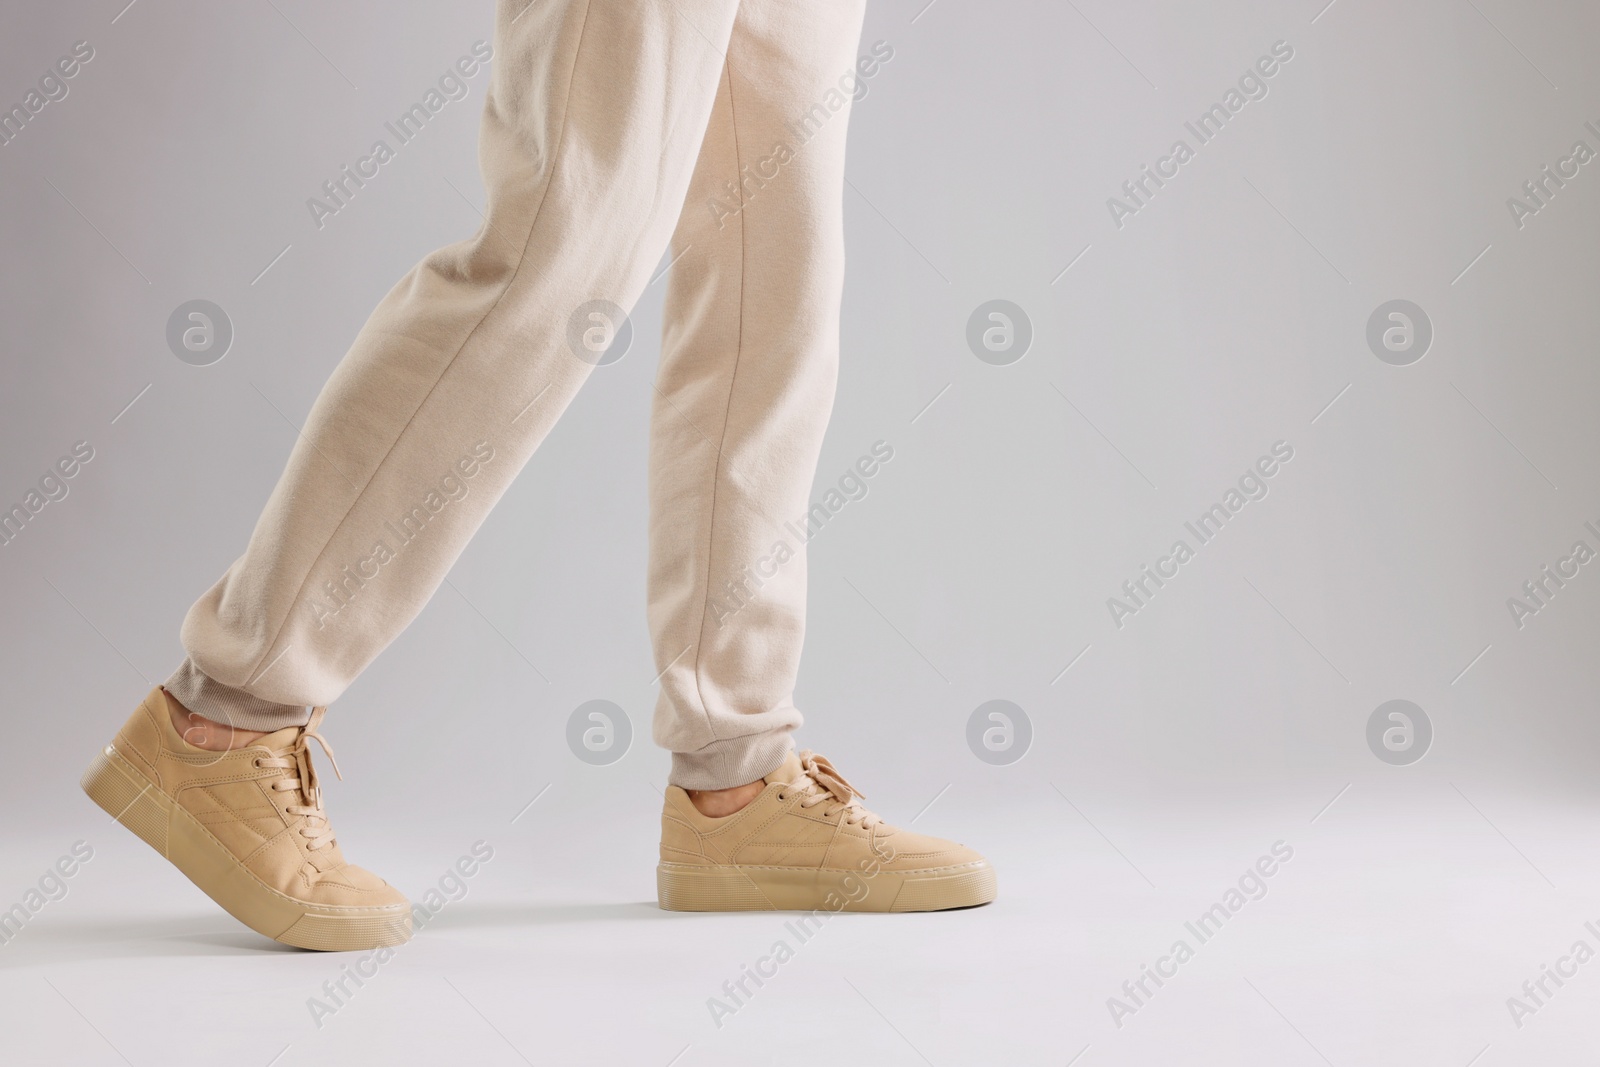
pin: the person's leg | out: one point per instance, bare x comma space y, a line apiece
743, 396
749, 360
595, 114
589, 136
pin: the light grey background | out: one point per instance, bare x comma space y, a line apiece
1227, 314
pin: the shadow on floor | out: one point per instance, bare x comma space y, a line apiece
64, 940
468, 914
204, 934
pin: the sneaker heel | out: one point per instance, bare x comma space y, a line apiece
686, 888
129, 802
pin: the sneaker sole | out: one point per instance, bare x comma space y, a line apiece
684, 887
132, 799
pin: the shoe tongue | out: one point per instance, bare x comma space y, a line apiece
788, 771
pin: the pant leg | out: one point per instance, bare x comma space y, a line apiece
744, 391
595, 113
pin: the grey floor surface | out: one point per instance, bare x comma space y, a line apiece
1396, 932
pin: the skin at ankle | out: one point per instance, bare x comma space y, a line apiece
204, 734
720, 803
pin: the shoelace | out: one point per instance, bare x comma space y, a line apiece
316, 828
819, 782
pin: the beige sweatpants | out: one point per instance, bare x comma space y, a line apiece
612, 129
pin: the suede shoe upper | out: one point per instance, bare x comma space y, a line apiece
808, 816
261, 802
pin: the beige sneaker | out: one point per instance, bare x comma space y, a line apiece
806, 844
248, 828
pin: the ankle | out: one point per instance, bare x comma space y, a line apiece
720, 803
205, 734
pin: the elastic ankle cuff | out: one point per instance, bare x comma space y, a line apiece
210, 699
734, 762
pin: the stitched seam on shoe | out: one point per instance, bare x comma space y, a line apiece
693, 833
975, 865
207, 783
686, 852
833, 839
127, 738
214, 817
204, 758
222, 804
740, 818
180, 809
244, 861
783, 810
